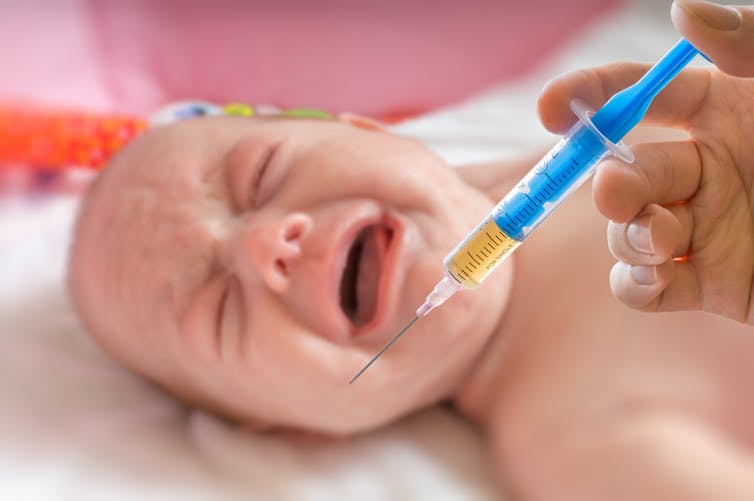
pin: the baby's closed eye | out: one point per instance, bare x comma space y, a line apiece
249, 166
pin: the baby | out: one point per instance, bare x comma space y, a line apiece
253, 265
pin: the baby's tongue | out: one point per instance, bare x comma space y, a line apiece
367, 284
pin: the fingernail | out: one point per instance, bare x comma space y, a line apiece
644, 275
639, 234
717, 17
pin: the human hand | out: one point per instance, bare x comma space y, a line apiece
682, 216
725, 34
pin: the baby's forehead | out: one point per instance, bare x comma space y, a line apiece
160, 186
210, 137
159, 193
144, 215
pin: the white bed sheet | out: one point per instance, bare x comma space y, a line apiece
75, 425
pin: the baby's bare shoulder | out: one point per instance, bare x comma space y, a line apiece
624, 395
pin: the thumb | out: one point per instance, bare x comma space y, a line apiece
725, 34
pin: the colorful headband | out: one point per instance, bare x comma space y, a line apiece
33, 138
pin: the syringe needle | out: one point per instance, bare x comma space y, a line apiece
385, 348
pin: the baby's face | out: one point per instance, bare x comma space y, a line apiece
254, 265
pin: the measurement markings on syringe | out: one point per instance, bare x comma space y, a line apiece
539, 194
479, 254
485, 252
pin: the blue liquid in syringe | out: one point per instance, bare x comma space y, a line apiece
568, 163
548, 183
561, 171
566, 167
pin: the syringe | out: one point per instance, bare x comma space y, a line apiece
558, 174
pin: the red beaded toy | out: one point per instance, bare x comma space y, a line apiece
36, 138
33, 138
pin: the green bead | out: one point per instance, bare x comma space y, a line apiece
238, 110
307, 113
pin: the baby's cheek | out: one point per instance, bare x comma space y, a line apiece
190, 254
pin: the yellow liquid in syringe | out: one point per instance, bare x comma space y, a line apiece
475, 258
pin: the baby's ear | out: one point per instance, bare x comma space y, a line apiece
361, 122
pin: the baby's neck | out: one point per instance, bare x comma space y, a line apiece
510, 346
474, 395
541, 284
479, 388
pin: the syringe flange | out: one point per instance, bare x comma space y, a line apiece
584, 112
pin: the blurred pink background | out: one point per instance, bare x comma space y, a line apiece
372, 57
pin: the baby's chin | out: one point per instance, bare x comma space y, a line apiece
303, 433
307, 437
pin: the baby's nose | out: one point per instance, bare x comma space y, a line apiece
272, 247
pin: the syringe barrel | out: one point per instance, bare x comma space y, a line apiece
558, 174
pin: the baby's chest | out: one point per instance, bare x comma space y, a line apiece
612, 359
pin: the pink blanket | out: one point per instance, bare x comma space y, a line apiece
376, 58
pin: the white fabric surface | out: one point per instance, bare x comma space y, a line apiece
75, 425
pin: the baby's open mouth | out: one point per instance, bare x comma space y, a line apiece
360, 283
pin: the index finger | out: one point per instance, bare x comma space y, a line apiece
674, 106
